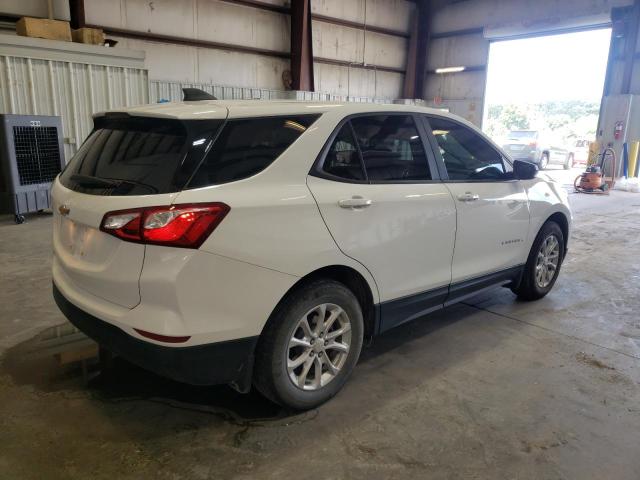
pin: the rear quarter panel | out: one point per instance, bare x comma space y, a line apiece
274, 221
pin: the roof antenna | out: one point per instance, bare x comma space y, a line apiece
195, 95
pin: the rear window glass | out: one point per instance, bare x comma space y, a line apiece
139, 156
142, 156
391, 148
522, 134
248, 146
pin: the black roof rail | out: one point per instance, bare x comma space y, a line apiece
195, 95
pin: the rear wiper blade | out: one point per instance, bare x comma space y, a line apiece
89, 181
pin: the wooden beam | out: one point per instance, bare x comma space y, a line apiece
301, 46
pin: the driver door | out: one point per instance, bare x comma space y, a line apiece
492, 207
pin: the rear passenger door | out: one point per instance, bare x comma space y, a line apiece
492, 206
377, 187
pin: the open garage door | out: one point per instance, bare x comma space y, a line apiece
543, 96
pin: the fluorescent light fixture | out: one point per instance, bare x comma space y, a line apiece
450, 69
199, 142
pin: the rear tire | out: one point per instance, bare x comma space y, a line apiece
569, 163
544, 161
543, 264
293, 334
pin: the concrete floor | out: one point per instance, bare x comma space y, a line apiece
493, 388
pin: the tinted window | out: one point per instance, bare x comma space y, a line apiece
246, 147
138, 156
391, 148
523, 134
343, 159
466, 155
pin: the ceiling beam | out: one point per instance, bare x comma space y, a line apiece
157, 37
270, 7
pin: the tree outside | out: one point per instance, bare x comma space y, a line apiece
565, 120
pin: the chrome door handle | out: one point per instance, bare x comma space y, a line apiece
468, 197
356, 202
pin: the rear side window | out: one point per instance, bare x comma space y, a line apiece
466, 155
378, 148
248, 146
138, 155
391, 148
343, 159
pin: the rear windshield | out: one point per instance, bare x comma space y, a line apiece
142, 156
522, 134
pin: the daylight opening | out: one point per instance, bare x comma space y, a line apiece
543, 95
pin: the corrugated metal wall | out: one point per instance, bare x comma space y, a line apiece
71, 90
172, 92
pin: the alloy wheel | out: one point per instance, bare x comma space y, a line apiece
319, 346
547, 261
544, 161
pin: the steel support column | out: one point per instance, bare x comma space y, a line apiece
76, 13
630, 45
414, 80
301, 46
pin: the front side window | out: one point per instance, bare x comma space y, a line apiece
391, 148
466, 155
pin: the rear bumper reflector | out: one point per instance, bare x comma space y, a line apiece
162, 338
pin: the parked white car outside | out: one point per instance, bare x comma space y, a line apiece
247, 242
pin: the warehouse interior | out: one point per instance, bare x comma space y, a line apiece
492, 387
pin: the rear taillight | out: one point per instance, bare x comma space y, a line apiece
186, 226
533, 144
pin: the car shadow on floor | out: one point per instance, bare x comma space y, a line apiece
63, 359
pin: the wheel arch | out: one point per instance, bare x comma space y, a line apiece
563, 222
353, 280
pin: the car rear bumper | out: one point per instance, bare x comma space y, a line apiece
228, 362
531, 157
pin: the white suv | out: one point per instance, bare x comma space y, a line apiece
246, 242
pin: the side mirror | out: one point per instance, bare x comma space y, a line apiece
524, 170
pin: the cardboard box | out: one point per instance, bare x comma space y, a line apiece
93, 36
44, 28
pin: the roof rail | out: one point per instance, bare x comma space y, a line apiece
195, 95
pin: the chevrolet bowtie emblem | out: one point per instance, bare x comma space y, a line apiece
64, 210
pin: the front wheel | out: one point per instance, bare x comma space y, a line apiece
543, 264
310, 345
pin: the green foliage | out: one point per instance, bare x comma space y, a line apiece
515, 117
568, 119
